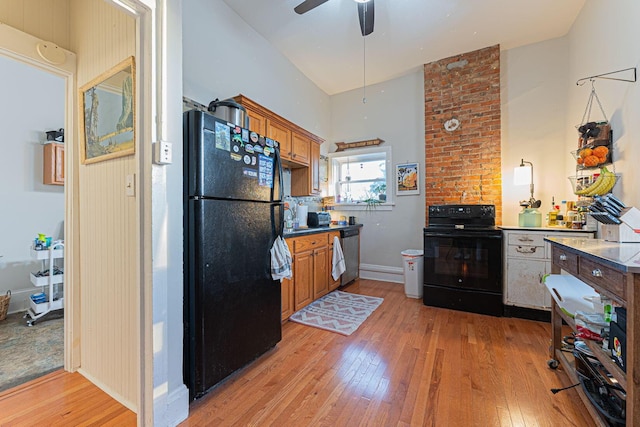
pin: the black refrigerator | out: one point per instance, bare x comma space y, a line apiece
233, 212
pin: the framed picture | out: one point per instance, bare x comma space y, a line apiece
407, 179
107, 120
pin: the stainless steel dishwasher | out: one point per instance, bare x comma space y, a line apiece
351, 252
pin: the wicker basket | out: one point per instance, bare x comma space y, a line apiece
4, 305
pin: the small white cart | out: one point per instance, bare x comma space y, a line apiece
51, 284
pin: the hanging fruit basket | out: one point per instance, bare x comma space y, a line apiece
593, 133
589, 157
596, 184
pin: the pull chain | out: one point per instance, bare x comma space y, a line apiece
364, 68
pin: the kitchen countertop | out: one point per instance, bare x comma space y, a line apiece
624, 256
554, 229
306, 231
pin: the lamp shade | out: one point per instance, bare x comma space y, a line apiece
522, 175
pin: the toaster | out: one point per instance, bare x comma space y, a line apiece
318, 219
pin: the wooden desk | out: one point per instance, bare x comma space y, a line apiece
614, 270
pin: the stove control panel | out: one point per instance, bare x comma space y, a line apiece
462, 211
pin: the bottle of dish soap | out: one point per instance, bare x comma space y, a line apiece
553, 214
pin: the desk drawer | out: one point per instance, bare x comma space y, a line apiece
605, 277
565, 260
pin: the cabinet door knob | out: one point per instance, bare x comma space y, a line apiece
563, 257
596, 273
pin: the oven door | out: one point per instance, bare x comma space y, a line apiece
463, 259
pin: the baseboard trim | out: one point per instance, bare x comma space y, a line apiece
382, 272
171, 409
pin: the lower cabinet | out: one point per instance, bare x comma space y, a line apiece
527, 260
312, 263
288, 306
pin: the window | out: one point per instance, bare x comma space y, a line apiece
359, 176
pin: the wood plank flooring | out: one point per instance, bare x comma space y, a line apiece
407, 365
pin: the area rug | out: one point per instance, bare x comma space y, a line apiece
338, 311
29, 352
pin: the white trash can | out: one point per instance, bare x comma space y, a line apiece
413, 272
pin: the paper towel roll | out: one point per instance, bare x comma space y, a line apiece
301, 214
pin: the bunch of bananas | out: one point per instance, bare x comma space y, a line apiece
600, 186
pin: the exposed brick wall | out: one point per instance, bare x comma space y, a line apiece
463, 166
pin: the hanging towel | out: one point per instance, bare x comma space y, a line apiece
280, 260
339, 266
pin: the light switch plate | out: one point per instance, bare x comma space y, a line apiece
130, 185
163, 152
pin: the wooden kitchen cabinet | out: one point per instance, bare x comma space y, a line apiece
296, 143
53, 160
288, 304
527, 260
257, 122
300, 146
282, 134
306, 181
303, 278
312, 279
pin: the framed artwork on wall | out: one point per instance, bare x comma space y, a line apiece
407, 182
107, 120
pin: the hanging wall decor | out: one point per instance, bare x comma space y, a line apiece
407, 179
108, 114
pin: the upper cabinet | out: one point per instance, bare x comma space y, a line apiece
257, 122
53, 171
281, 133
299, 149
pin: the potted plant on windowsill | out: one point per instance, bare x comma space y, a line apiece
379, 189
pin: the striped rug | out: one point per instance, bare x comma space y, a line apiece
340, 312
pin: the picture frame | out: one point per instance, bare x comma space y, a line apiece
407, 179
108, 114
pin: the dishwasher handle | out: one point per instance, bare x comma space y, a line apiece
349, 233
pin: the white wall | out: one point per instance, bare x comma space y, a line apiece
534, 99
223, 57
32, 102
604, 38
394, 112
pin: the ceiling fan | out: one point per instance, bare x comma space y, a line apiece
365, 12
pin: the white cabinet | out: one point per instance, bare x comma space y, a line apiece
51, 284
527, 260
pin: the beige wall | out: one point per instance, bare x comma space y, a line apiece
106, 318
102, 36
45, 19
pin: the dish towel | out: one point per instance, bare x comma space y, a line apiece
338, 264
280, 260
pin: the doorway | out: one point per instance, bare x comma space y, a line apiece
32, 102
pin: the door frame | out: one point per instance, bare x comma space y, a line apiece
20, 46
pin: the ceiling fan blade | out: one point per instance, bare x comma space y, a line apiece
365, 14
307, 5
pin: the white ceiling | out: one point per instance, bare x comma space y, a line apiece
326, 44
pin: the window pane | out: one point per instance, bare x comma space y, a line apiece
374, 169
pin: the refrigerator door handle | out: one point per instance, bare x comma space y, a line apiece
277, 176
277, 220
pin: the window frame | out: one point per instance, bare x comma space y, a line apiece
354, 154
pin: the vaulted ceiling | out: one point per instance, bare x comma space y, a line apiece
327, 46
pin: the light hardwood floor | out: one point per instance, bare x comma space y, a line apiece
407, 365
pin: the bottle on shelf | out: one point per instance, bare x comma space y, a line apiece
553, 214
